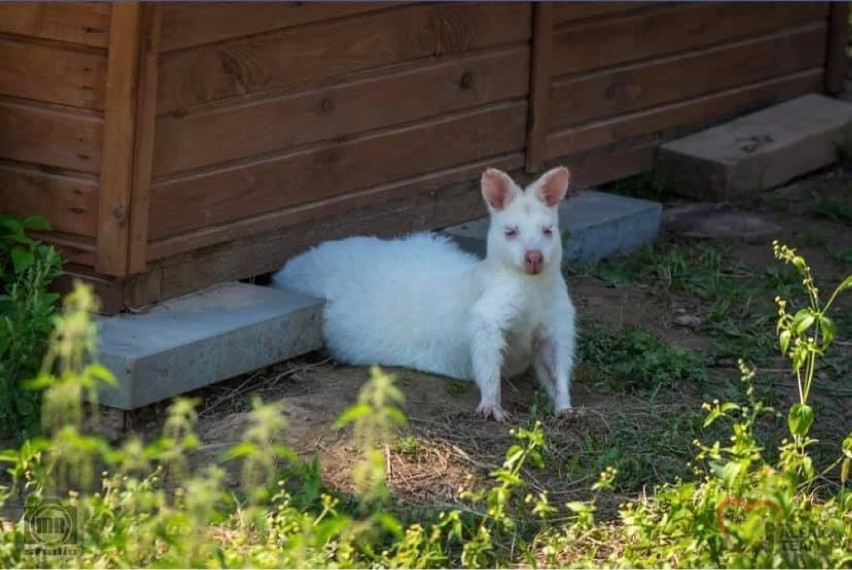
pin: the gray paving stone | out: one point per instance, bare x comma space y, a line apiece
193, 341
597, 225
758, 151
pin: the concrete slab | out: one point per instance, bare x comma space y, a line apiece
596, 224
193, 341
758, 151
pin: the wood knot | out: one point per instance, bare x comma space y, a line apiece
326, 106
466, 80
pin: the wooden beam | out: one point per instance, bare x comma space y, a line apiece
118, 140
838, 37
539, 85
146, 114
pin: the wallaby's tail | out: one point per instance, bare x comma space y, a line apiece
301, 274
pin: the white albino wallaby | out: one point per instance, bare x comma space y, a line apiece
422, 303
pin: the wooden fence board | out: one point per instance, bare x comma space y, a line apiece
52, 74
542, 59
119, 136
621, 129
86, 24
58, 138
188, 24
565, 12
339, 205
838, 38
615, 91
321, 172
675, 29
240, 131
143, 152
69, 203
275, 60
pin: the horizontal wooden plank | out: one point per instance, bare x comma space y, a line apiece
565, 12
72, 248
45, 135
188, 24
606, 42
615, 91
245, 190
205, 138
426, 204
620, 129
605, 167
278, 59
46, 72
107, 290
69, 203
79, 23
351, 205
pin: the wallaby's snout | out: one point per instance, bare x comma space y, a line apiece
533, 262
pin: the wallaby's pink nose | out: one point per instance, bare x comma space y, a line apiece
533, 261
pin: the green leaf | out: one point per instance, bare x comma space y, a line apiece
784, 341
355, 412
36, 223
827, 329
22, 258
728, 472
803, 320
846, 284
390, 523
242, 449
844, 470
800, 419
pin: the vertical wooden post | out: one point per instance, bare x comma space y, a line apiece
146, 114
118, 139
541, 59
838, 37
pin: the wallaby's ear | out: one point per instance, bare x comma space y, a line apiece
498, 188
553, 185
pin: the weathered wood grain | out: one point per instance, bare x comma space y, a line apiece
188, 24
257, 127
70, 203
143, 152
619, 129
119, 137
243, 190
278, 59
79, 23
678, 28
540, 80
838, 38
47, 72
51, 136
620, 90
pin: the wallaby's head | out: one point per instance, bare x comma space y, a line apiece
524, 230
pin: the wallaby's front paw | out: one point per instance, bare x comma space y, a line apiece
494, 411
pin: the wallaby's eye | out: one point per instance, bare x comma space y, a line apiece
510, 232
547, 231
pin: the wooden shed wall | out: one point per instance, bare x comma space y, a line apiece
183, 144
52, 101
618, 78
312, 108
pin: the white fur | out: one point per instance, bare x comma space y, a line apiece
422, 303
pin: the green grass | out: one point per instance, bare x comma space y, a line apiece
636, 360
734, 301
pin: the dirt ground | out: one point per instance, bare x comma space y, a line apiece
446, 444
